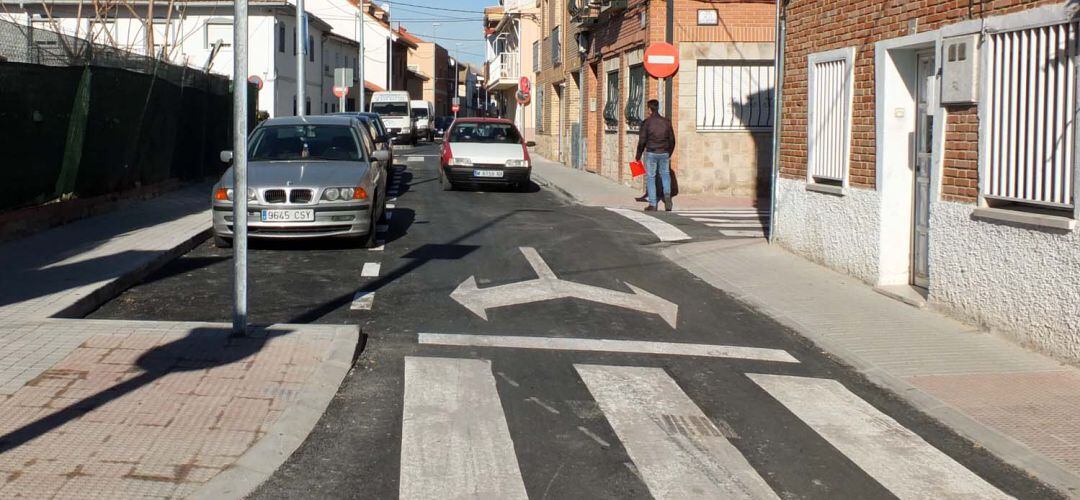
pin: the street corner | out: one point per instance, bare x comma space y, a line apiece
163, 409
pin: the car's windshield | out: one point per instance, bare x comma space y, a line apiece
491, 133
305, 142
390, 108
420, 112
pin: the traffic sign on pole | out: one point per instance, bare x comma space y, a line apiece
239, 140
341, 92
661, 60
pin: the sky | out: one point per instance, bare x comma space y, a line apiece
461, 22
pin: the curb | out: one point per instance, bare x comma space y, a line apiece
89, 303
555, 188
1000, 445
290, 430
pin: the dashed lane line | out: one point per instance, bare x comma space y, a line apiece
380, 245
662, 230
607, 345
370, 270
362, 301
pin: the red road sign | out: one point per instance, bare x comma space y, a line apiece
454, 109
661, 60
258, 82
523, 85
340, 92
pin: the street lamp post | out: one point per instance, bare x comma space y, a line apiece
240, 125
390, 57
301, 55
360, 63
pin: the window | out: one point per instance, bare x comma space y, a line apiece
829, 116
556, 47
390, 108
485, 133
165, 38
311, 48
1031, 101
305, 143
536, 56
219, 32
539, 107
611, 101
635, 97
735, 95
281, 37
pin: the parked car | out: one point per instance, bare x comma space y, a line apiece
378, 132
396, 112
308, 176
442, 124
423, 112
484, 151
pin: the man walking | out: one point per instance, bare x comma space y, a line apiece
656, 140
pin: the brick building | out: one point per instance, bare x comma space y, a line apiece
593, 88
928, 148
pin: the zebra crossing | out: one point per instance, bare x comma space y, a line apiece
732, 222
456, 443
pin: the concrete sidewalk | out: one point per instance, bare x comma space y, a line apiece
70, 270
1018, 404
592, 190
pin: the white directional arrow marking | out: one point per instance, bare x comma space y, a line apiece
548, 287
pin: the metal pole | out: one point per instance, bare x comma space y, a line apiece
360, 63
301, 56
240, 125
390, 58
779, 39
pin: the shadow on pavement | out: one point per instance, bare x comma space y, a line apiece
200, 349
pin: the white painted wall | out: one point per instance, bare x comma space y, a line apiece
840, 232
1023, 283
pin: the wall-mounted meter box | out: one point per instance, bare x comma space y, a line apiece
959, 70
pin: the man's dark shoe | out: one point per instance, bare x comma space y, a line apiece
667, 203
650, 208
643, 197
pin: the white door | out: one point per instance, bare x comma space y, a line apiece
924, 133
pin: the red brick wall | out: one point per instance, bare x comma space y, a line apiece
817, 26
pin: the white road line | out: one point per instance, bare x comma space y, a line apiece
648, 410
746, 216
662, 230
735, 233
596, 438
392, 198
380, 245
549, 408
606, 345
737, 225
414, 158
723, 211
370, 269
890, 453
362, 301
390, 206
508, 379
454, 438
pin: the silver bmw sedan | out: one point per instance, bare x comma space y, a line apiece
310, 176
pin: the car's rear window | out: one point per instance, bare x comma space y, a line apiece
489, 133
305, 142
420, 112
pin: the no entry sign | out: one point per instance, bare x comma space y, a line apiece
661, 60
340, 92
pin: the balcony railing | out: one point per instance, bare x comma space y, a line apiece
506, 67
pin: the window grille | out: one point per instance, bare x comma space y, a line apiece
735, 95
611, 100
829, 119
635, 97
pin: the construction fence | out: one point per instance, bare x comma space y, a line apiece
81, 119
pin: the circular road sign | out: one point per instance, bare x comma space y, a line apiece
340, 92
455, 108
661, 60
523, 85
258, 82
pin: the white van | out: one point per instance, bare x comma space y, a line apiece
394, 109
424, 114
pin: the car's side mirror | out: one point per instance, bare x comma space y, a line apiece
381, 156
530, 144
226, 156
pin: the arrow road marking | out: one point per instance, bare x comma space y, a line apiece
549, 287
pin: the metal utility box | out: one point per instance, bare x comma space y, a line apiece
959, 70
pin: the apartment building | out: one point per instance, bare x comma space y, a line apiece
512, 30
719, 101
929, 148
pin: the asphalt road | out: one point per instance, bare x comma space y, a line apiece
582, 421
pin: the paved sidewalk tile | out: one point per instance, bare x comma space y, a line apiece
594, 190
49, 272
151, 409
1012, 398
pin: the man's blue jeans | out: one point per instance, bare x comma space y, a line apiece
654, 162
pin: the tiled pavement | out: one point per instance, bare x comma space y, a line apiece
156, 410
51, 272
1019, 404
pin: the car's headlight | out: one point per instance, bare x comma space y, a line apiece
344, 194
226, 194
460, 162
517, 163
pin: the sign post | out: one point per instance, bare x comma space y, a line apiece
301, 55
343, 78
240, 126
